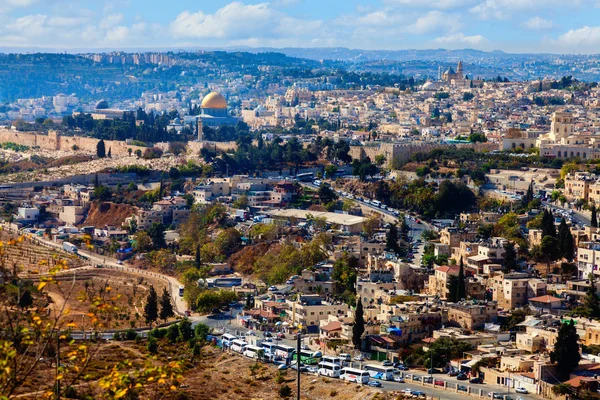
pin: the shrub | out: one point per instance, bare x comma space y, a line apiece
152, 346
285, 391
333, 393
130, 334
116, 336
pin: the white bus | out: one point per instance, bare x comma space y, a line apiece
332, 360
238, 345
269, 348
252, 351
285, 352
329, 369
354, 375
227, 338
380, 372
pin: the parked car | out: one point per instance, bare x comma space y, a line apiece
375, 383
496, 395
439, 382
359, 358
476, 380
398, 379
418, 393
272, 288
407, 391
462, 388
462, 377
402, 367
282, 367
453, 373
433, 371
521, 390
387, 363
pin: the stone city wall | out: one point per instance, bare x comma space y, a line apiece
54, 141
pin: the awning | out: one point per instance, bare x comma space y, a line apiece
478, 258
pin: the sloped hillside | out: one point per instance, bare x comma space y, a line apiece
101, 214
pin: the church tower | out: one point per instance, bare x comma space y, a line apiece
459, 70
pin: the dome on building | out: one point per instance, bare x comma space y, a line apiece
102, 105
214, 100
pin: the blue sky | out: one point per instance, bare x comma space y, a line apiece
558, 26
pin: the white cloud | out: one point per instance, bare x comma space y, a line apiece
460, 39
29, 25
117, 34
586, 38
17, 3
65, 22
504, 9
431, 4
538, 23
233, 21
376, 18
435, 21
111, 20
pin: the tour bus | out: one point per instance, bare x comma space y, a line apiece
354, 375
269, 348
285, 352
252, 351
329, 369
380, 372
238, 345
227, 338
332, 360
308, 357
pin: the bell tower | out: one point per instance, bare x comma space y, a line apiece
199, 129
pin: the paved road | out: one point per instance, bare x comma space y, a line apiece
95, 259
578, 218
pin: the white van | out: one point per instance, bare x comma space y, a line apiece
345, 357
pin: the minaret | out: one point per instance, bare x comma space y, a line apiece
459, 70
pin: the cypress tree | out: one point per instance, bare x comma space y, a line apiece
594, 221
166, 307
528, 197
461, 291
566, 349
510, 257
563, 230
359, 326
548, 228
151, 307
198, 260
101, 149
591, 302
391, 240
569, 246
452, 286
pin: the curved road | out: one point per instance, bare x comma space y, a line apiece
95, 259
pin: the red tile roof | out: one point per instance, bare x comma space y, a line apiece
545, 299
332, 326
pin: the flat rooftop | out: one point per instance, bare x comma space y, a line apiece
333, 218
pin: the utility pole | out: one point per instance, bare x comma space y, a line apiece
298, 349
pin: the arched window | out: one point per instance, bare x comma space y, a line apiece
559, 154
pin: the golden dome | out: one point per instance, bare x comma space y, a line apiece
214, 100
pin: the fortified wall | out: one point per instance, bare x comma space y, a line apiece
400, 152
55, 141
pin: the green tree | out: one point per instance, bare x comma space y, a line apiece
391, 240
548, 228
461, 291
380, 160
152, 345
452, 287
548, 251
528, 197
101, 149
510, 257
157, 234
109, 154
198, 261
330, 171
151, 307
186, 331
326, 194
345, 272
594, 222
359, 326
565, 241
166, 306
566, 350
591, 302
26, 300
